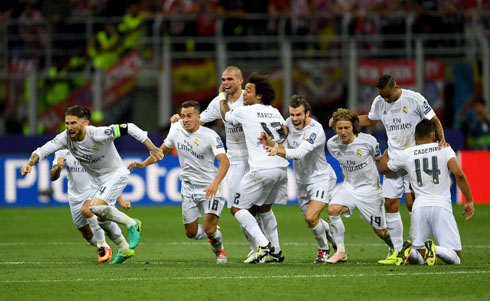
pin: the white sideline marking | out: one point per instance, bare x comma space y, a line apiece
247, 277
197, 243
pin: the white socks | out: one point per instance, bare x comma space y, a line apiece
249, 223
395, 228
112, 229
92, 241
269, 224
216, 241
99, 234
122, 244
416, 258
113, 214
338, 229
447, 255
201, 234
320, 236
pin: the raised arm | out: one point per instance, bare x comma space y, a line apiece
223, 105
224, 164
464, 186
55, 172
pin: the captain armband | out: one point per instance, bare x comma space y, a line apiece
120, 130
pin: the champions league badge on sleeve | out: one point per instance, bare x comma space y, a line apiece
312, 138
219, 143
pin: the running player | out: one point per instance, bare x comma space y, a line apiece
357, 154
197, 146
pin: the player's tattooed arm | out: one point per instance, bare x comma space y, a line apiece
33, 160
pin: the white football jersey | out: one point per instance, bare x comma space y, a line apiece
96, 153
307, 148
196, 153
426, 165
235, 139
256, 119
80, 184
400, 118
358, 162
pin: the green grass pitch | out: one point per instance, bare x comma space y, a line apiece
42, 256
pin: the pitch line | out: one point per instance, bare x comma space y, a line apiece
198, 278
198, 243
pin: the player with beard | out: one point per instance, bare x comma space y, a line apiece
94, 148
315, 178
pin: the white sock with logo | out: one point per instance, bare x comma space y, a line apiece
97, 231
269, 224
201, 234
216, 241
395, 228
320, 236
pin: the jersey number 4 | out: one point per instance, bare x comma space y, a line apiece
434, 172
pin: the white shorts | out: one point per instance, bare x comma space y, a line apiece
395, 184
112, 188
437, 221
372, 211
319, 191
194, 205
76, 214
262, 187
233, 178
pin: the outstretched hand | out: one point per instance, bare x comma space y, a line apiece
25, 170
134, 165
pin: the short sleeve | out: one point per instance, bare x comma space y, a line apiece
212, 112
217, 145
424, 107
397, 163
172, 134
373, 113
233, 116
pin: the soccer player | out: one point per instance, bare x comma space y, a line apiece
197, 146
94, 148
399, 110
231, 84
265, 182
428, 167
315, 178
81, 188
357, 154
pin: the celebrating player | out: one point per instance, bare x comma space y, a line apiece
197, 146
315, 178
265, 182
94, 148
357, 154
428, 166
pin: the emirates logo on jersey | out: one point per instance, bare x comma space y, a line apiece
405, 110
196, 142
95, 148
359, 153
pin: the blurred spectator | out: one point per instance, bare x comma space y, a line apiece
476, 128
104, 47
131, 28
32, 30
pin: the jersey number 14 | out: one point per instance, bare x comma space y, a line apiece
434, 172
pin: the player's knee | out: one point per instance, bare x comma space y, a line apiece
311, 220
210, 229
190, 233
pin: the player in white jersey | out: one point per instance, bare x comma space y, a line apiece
428, 166
81, 188
197, 146
94, 148
265, 182
357, 154
399, 110
231, 84
315, 178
